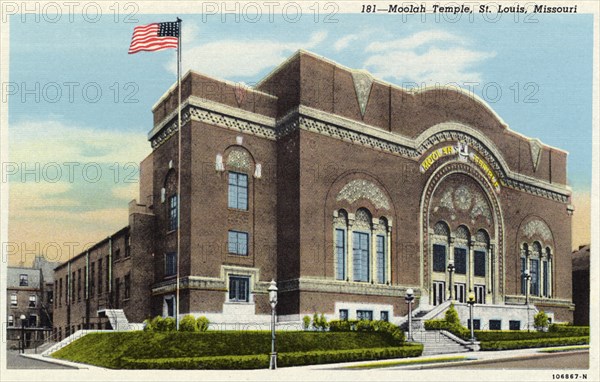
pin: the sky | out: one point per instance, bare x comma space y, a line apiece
80, 106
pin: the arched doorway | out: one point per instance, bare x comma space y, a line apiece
462, 250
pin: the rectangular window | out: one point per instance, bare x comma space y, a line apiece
364, 315
13, 299
93, 279
361, 255
460, 290
514, 325
384, 315
495, 324
238, 191
60, 291
439, 258
479, 266
476, 324
106, 279
32, 321
237, 243
127, 246
99, 276
340, 254
545, 278
79, 284
23, 280
32, 301
381, 260
479, 294
523, 280
173, 212
117, 292
11, 321
239, 289
170, 264
50, 296
117, 255
72, 297
127, 290
535, 277
343, 314
460, 261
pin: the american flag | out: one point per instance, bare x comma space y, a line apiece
155, 36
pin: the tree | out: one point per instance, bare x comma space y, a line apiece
540, 321
452, 315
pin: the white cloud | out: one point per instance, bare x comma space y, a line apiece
344, 42
126, 193
428, 56
46, 142
243, 58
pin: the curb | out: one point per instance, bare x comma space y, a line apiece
55, 361
496, 360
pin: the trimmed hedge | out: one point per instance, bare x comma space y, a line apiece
533, 343
572, 330
261, 361
517, 335
368, 326
456, 329
109, 349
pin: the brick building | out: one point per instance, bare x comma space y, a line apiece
30, 295
581, 285
347, 190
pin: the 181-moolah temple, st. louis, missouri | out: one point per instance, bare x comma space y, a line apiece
344, 189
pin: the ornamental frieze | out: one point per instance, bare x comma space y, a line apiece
363, 189
537, 228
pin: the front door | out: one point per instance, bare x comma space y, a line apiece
439, 292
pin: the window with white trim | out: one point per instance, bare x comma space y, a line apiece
237, 243
239, 289
238, 191
32, 301
13, 299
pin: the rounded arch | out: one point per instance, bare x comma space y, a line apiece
463, 233
482, 237
441, 228
435, 180
534, 228
239, 158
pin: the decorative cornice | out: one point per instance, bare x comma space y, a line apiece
334, 126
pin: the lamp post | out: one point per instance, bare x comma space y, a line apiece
23, 333
409, 298
273, 301
471, 302
450, 271
527, 277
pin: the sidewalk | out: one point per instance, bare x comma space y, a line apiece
56, 361
473, 358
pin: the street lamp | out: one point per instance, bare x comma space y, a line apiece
273, 301
527, 277
450, 271
23, 333
409, 298
471, 302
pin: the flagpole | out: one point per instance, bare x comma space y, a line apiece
178, 169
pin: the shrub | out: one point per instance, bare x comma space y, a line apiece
188, 324
456, 329
202, 323
540, 320
368, 326
306, 322
533, 343
570, 330
165, 324
315, 321
517, 335
451, 316
261, 361
323, 322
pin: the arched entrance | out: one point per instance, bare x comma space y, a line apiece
462, 247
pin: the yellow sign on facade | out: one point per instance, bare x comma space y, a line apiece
435, 155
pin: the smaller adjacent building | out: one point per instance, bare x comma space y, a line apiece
29, 301
581, 285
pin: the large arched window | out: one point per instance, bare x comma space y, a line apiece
461, 250
441, 238
340, 224
361, 245
381, 242
547, 273
524, 256
534, 268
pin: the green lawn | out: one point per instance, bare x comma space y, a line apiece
216, 350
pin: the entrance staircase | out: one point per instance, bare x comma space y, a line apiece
116, 317
435, 341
